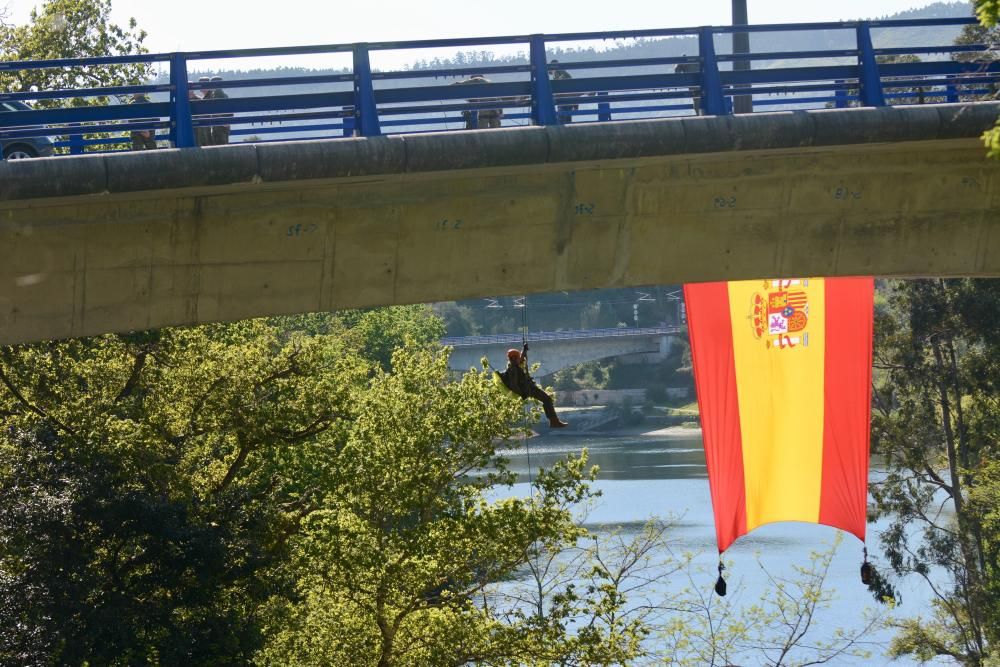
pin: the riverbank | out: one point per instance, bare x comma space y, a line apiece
675, 432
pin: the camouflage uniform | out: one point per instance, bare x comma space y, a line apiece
516, 378
691, 68
485, 118
565, 114
202, 133
142, 140
219, 134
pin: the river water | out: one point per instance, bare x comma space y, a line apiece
665, 475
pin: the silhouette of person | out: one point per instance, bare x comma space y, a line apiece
518, 380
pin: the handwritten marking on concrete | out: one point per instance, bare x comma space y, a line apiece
844, 193
299, 230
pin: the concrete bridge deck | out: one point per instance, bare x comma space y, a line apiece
124, 242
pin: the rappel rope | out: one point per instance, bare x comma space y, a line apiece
525, 408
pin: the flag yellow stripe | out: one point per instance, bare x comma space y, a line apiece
781, 408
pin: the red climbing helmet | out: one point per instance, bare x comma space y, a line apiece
513, 355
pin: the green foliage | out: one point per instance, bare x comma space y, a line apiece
459, 320
590, 375
379, 332
988, 12
71, 29
991, 139
628, 413
261, 492
391, 567
934, 423
150, 483
787, 625
564, 380
374, 333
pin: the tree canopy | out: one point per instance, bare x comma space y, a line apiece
71, 29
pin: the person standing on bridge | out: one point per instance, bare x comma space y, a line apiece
143, 140
218, 135
483, 118
518, 380
691, 68
202, 133
565, 111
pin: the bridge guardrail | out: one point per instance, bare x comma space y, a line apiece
578, 334
367, 102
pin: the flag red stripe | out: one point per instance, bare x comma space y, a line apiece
711, 334
847, 403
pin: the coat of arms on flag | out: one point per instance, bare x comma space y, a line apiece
779, 314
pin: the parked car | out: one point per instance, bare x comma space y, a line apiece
23, 147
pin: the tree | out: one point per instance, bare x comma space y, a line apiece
988, 13
184, 496
149, 486
784, 626
71, 29
392, 568
381, 331
374, 333
937, 361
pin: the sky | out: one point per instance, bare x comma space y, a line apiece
196, 25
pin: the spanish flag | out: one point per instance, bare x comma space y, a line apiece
783, 374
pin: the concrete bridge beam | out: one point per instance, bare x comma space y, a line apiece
94, 244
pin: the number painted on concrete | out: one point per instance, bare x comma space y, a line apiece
448, 225
301, 230
725, 202
584, 209
843, 193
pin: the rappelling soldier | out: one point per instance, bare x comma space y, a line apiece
518, 380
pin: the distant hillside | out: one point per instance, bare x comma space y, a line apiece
651, 48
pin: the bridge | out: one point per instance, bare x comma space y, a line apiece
556, 350
116, 242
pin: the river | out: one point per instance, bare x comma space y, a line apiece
664, 474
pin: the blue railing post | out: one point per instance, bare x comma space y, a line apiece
75, 142
840, 96
181, 129
712, 101
603, 109
543, 106
951, 91
869, 81
364, 93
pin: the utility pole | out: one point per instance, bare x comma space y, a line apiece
741, 44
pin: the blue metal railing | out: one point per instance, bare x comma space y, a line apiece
515, 338
367, 102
